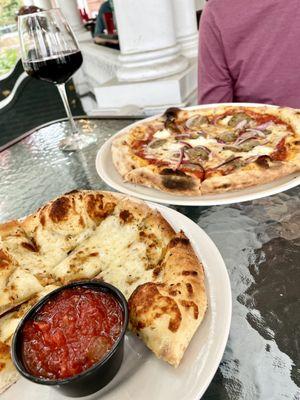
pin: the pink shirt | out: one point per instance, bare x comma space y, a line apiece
250, 52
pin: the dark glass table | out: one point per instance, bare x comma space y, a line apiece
259, 241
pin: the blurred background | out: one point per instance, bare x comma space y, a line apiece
140, 57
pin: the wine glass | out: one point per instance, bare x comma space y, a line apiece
50, 52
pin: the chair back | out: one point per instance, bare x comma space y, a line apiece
32, 103
109, 22
8, 81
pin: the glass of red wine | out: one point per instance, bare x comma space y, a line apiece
50, 52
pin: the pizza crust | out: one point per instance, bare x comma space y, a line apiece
8, 373
150, 176
241, 179
165, 314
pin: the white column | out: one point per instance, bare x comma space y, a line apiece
200, 4
71, 12
44, 4
147, 40
186, 26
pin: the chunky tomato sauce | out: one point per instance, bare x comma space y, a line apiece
71, 332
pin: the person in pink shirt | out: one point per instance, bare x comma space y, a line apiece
249, 51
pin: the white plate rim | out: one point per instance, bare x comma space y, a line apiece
219, 199
209, 243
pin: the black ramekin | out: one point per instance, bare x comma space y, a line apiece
99, 374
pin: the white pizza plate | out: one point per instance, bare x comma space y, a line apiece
142, 375
107, 171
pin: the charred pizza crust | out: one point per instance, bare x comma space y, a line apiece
165, 314
139, 170
106, 236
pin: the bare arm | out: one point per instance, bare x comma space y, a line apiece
214, 81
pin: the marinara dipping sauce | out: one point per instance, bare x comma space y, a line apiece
72, 331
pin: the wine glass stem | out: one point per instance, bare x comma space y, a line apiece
62, 91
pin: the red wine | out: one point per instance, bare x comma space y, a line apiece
56, 69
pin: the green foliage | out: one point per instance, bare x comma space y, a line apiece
8, 58
9, 53
8, 9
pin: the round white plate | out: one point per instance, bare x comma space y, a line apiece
142, 375
109, 174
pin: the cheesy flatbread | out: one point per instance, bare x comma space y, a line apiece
122, 241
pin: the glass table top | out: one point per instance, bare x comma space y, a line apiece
259, 241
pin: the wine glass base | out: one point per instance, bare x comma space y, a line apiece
77, 141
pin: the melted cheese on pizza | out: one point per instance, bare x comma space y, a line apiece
116, 253
162, 134
220, 139
10, 321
